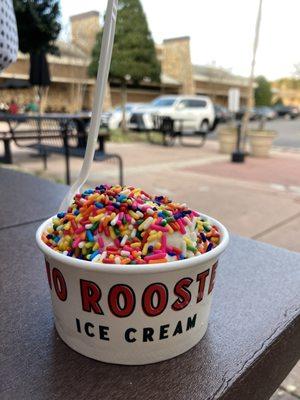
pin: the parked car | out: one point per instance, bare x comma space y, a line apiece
240, 114
222, 114
191, 113
264, 112
115, 119
105, 117
286, 111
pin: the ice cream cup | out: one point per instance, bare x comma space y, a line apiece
131, 314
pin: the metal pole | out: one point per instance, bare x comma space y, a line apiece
238, 155
250, 101
7, 159
67, 153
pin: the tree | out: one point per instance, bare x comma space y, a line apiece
134, 56
38, 25
38, 28
263, 92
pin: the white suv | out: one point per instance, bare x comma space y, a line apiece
190, 113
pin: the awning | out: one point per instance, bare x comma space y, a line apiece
15, 84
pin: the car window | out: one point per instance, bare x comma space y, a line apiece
194, 103
166, 102
183, 103
129, 107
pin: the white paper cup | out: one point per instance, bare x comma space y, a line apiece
131, 314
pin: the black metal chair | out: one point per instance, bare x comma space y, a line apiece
165, 126
172, 128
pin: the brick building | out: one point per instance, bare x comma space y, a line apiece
71, 88
287, 90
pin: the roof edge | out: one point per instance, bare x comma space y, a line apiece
84, 15
176, 39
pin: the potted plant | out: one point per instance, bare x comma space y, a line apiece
227, 136
260, 141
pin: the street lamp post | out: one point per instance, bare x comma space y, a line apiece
239, 154
250, 100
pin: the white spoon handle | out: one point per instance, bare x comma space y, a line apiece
102, 76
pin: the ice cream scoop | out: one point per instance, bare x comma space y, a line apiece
125, 225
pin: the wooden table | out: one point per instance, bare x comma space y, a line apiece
252, 342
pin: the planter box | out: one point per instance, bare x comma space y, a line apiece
227, 137
260, 142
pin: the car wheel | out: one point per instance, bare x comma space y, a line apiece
217, 121
204, 127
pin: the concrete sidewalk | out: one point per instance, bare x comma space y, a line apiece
259, 199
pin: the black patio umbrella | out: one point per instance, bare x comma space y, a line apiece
39, 70
39, 74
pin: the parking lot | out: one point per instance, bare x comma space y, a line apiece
288, 132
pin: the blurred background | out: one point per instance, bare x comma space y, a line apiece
202, 105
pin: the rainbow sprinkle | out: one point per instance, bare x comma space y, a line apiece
124, 225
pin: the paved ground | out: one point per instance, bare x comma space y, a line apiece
288, 132
259, 199
290, 387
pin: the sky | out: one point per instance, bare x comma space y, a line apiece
221, 31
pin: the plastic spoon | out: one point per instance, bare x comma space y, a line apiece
102, 76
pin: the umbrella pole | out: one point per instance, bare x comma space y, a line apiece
44, 98
38, 94
38, 122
